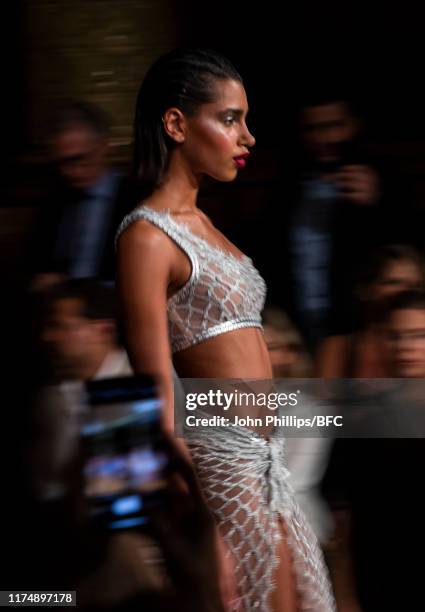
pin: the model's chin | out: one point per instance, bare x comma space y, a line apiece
225, 177
231, 177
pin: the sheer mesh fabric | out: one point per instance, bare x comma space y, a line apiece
223, 293
242, 474
244, 479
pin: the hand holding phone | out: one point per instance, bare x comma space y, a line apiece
125, 457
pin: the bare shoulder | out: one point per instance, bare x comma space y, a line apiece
144, 250
141, 235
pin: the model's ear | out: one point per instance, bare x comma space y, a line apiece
175, 124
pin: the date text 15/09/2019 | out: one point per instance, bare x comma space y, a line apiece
318, 420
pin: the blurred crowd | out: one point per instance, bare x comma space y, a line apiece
345, 267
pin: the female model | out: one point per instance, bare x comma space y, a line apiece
189, 294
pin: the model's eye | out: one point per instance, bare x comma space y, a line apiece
229, 119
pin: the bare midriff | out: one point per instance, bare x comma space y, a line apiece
241, 353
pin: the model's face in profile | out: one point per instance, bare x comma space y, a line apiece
406, 343
217, 139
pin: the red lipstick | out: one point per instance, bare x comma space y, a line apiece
240, 160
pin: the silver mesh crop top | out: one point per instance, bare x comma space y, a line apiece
223, 293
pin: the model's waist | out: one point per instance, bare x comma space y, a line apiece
239, 354
184, 338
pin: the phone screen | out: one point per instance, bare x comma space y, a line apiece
125, 459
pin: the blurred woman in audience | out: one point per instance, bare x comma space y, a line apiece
360, 353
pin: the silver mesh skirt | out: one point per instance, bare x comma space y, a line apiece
244, 480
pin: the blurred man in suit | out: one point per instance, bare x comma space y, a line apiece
75, 233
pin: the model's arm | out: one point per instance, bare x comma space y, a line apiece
145, 269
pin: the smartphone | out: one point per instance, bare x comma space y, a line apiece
125, 458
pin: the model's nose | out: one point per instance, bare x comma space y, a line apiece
247, 139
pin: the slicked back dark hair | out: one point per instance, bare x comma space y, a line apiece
185, 79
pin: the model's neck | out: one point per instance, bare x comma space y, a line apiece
179, 189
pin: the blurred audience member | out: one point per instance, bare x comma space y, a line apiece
80, 331
75, 233
288, 356
381, 476
376, 527
306, 457
307, 460
361, 354
406, 334
331, 217
80, 336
